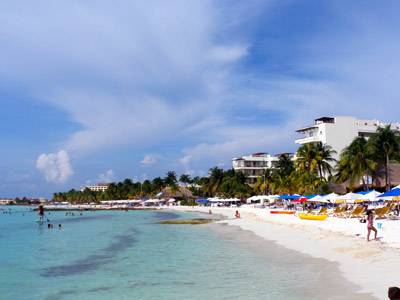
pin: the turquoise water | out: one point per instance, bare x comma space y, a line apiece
127, 255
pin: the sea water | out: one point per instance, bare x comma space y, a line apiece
129, 255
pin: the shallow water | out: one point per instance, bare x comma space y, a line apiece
128, 255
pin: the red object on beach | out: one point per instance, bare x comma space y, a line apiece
282, 212
300, 200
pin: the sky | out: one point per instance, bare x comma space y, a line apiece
94, 91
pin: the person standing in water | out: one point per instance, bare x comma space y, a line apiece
41, 212
370, 224
237, 215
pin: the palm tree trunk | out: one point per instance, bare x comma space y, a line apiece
320, 171
364, 184
387, 172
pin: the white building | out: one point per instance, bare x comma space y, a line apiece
254, 165
100, 187
339, 132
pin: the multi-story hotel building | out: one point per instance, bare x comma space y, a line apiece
254, 165
339, 132
100, 187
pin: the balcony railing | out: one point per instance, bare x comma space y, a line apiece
305, 140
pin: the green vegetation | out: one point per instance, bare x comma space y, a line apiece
312, 172
363, 159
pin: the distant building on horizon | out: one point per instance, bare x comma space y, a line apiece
254, 165
338, 132
100, 187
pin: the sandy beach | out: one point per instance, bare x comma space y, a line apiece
373, 266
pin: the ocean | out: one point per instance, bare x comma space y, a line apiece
129, 255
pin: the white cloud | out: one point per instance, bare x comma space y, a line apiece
228, 53
147, 74
148, 160
55, 166
107, 177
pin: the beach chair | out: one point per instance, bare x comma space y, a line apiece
340, 211
357, 212
381, 213
323, 211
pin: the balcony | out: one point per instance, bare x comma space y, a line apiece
306, 140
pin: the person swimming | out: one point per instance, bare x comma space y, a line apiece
237, 215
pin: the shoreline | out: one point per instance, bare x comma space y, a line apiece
372, 266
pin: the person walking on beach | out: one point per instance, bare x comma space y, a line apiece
370, 224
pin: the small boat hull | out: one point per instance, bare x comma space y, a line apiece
282, 212
304, 216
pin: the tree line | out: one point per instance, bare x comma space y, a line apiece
313, 170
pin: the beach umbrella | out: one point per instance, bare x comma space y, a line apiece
300, 200
202, 201
371, 196
289, 197
393, 194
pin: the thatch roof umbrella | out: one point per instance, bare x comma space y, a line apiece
179, 193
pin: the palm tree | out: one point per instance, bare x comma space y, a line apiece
215, 179
315, 157
385, 146
324, 159
306, 161
355, 163
285, 164
185, 179
170, 179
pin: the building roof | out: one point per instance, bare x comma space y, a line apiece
306, 128
325, 119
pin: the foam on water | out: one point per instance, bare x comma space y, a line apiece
128, 255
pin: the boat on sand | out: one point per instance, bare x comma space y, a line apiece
305, 216
282, 212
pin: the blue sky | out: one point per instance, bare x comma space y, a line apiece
98, 91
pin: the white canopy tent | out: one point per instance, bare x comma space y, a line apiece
262, 198
216, 200
331, 197
350, 197
152, 201
319, 199
130, 201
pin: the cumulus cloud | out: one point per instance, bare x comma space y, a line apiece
107, 177
55, 166
148, 160
145, 74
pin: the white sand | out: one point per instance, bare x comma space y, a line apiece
373, 266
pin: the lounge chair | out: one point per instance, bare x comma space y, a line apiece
357, 212
322, 211
339, 211
381, 213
